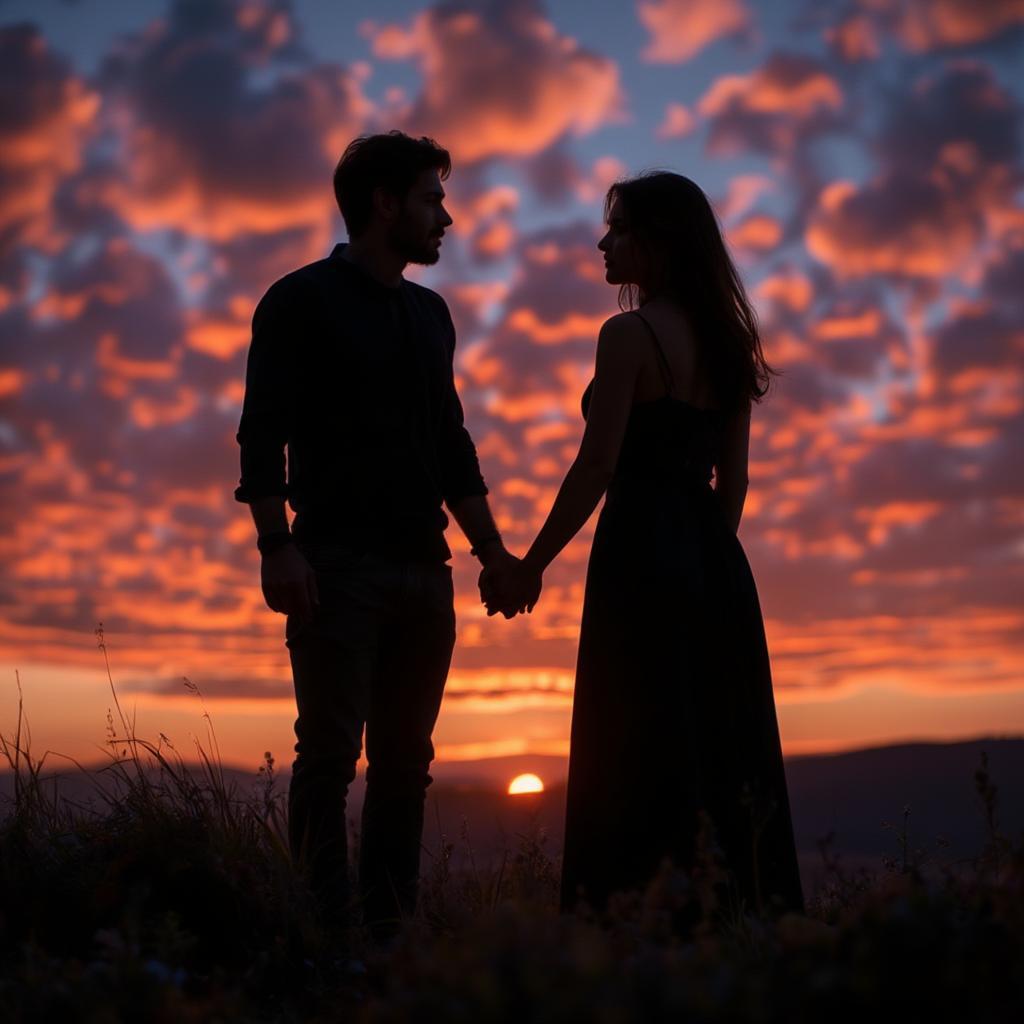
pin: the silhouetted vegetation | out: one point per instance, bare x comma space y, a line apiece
171, 898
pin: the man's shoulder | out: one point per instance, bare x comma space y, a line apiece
300, 279
428, 295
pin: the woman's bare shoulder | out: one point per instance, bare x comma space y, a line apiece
620, 328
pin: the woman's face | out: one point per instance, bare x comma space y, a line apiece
622, 261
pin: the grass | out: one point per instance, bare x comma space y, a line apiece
171, 897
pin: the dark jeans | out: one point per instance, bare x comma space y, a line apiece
376, 652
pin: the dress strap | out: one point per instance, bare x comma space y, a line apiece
666, 371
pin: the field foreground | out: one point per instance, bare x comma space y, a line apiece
172, 898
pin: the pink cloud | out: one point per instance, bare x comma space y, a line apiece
742, 193
948, 171
677, 123
757, 233
592, 187
773, 107
854, 39
48, 116
789, 289
485, 217
680, 29
207, 145
923, 25
469, 58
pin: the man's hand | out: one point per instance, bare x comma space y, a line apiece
494, 580
506, 586
289, 583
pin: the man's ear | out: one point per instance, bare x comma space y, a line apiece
385, 204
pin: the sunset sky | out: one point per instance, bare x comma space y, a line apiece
162, 163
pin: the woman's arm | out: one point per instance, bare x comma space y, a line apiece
731, 471
615, 374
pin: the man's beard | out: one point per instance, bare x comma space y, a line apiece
413, 247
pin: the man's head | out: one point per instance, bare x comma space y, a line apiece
391, 184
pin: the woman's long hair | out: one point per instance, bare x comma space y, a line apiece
679, 240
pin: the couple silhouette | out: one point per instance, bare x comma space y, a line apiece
350, 369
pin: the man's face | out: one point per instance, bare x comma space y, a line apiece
416, 233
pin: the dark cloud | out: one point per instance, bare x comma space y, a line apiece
948, 162
46, 119
225, 125
471, 54
773, 109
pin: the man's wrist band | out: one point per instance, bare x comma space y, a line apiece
270, 542
483, 542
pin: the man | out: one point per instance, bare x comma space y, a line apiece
350, 367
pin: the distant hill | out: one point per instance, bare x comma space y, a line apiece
850, 794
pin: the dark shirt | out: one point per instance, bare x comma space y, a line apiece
356, 378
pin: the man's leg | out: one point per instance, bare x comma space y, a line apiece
414, 656
332, 659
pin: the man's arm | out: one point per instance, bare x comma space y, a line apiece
457, 458
287, 579
462, 484
473, 515
269, 515
268, 405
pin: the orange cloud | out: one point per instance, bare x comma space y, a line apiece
680, 29
923, 25
772, 107
834, 328
798, 87
792, 290
854, 39
148, 413
50, 114
758, 233
217, 150
574, 325
469, 60
852, 230
605, 171
219, 337
495, 241
743, 191
108, 357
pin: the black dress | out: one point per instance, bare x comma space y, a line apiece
673, 708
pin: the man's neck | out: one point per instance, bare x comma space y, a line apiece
377, 260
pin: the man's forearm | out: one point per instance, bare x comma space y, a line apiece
269, 514
473, 515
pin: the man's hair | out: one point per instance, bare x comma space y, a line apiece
393, 162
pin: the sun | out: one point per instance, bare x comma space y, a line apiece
528, 783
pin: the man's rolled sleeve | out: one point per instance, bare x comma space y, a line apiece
267, 409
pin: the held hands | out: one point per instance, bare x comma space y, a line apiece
508, 585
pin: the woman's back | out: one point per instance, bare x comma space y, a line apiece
679, 355
674, 435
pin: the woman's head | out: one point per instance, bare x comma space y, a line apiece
664, 241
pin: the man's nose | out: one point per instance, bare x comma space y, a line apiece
446, 218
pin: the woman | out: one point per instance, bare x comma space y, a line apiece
673, 709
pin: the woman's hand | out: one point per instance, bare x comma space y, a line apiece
515, 589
